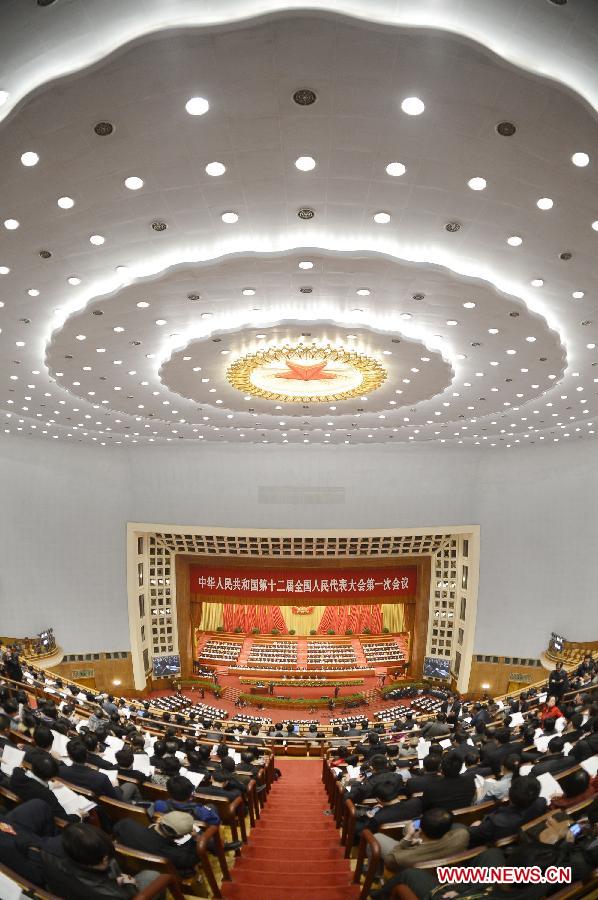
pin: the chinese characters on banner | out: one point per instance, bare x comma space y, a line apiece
359, 583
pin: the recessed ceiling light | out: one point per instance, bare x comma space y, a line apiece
197, 106
4, 270
461, 356
578, 295
477, 183
387, 352
100, 349
96, 239
143, 304
536, 282
81, 337
580, 159
493, 331
594, 225
382, 218
514, 240
29, 158
363, 292
305, 163
306, 264
396, 169
591, 346
215, 169
469, 304
4, 95
11, 224
33, 292
206, 315
530, 339
118, 329
511, 352
65, 202
225, 352
229, 218
451, 322
413, 106
260, 337
406, 316
425, 358
133, 183
73, 280
248, 292
545, 203
160, 321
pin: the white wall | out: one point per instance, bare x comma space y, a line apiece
63, 515
63, 512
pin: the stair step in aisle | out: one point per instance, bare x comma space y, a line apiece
294, 849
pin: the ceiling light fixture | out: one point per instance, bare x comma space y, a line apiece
537, 282
514, 241
580, 160
29, 158
73, 280
413, 106
248, 292
545, 203
306, 264
229, 218
578, 295
197, 106
97, 240
477, 183
65, 202
305, 163
133, 183
11, 224
396, 169
382, 218
215, 169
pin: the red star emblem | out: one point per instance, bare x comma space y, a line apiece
299, 372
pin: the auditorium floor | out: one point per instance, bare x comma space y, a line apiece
322, 715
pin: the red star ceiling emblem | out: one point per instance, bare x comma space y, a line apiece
299, 372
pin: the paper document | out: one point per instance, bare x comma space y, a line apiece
549, 786
590, 765
11, 758
71, 802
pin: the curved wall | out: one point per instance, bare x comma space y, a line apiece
64, 509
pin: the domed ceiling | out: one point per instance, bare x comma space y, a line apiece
300, 228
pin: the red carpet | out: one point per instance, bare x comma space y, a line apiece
294, 849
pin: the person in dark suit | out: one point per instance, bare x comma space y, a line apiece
558, 682
524, 805
451, 791
451, 707
438, 727
429, 773
553, 760
473, 765
372, 746
588, 746
91, 741
480, 715
80, 774
494, 755
392, 806
220, 786
34, 785
366, 788
461, 748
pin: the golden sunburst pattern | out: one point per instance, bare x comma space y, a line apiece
306, 374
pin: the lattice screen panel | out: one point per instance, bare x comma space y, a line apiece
302, 547
162, 607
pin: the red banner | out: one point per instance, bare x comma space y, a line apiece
322, 584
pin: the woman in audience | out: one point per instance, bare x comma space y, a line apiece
550, 710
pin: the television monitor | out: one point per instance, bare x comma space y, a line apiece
557, 642
436, 667
164, 666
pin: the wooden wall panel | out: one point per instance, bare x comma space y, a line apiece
496, 675
105, 672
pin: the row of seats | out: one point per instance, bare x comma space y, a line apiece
223, 651
384, 651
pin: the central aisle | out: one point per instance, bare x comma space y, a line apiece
294, 849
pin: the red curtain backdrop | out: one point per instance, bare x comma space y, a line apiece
247, 616
353, 618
